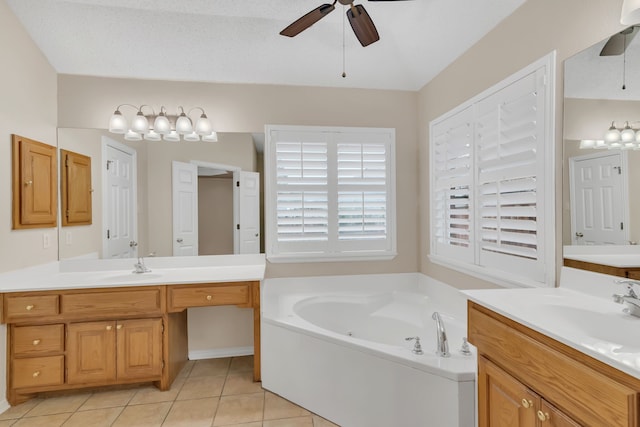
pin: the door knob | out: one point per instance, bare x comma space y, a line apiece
579, 234
179, 240
133, 244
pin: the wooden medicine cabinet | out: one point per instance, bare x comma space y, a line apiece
35, 197
75, 188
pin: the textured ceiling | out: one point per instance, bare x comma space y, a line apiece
237, 41
589, 75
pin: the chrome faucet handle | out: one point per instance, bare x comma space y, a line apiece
417, 348
629, 283
465, 350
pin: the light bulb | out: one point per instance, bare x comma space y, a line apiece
152, 136
212, 137
140, 124
192, 137
117, 123
183, 124
172, 136
613, 134
132, 136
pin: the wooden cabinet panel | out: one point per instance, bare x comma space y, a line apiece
91, 349
35, 197
180, 298
35, 340
505, 401
37, 371
75, 188
113, 303
30, 307
139, 348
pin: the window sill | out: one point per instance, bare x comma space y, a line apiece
300, 258
500, 278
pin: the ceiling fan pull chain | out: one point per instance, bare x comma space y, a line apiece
344, 54
624, 64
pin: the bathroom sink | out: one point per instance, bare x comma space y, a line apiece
610, 331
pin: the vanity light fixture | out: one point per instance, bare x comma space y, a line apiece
630, 12
156, 127
625, 138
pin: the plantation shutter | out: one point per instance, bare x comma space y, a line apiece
302, 198
363, 203
510, 165
452, 167
330, 193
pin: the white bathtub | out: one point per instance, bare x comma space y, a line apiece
336, 346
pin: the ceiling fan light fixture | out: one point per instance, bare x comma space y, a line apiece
630, 12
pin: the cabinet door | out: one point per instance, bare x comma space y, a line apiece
91, 349
139, 348
553, 417
75, 188
502, 400
35, 196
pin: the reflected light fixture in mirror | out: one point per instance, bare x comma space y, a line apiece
625, 138
630, 12
154, 127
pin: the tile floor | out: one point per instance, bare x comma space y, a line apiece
213, 392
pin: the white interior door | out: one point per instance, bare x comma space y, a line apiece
185, 209
599, 204
246, 212
119, 200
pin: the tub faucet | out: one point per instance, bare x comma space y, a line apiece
140, 267
441, 336
630, 299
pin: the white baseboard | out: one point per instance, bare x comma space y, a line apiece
4, 405
216, 353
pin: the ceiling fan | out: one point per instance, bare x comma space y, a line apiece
618, 43
359, 19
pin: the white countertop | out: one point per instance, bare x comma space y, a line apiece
590, 324
98, 273
624, 256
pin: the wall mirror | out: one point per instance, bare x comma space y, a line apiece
151, 184
601, 91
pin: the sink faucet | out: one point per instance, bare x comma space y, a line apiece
630, 299
441, 335
140, 267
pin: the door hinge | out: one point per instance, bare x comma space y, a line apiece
237, 226
109, 163
67, 213
237, 183
108, 234
66, 161
621, 226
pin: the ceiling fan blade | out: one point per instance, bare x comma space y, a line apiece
307, 20
618, 43
362, 25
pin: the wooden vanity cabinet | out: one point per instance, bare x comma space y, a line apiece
528, 379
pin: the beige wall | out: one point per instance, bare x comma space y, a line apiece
87, 102
589, 119
532, 31
28, 108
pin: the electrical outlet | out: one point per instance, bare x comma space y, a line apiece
68, 238
46, 241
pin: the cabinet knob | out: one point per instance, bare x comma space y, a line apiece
543, 416
30, 307
208, 297
30, 182
527, 403
36, 342
36, 374
119, 327
109, 327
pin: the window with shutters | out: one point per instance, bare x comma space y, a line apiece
492, 162
329, 193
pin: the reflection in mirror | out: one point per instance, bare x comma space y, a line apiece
602, 85
149, 195
600, 206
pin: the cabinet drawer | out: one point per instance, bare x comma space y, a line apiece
35, 340
38, 371
582, 392
144, 301
30, 306
208, 295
